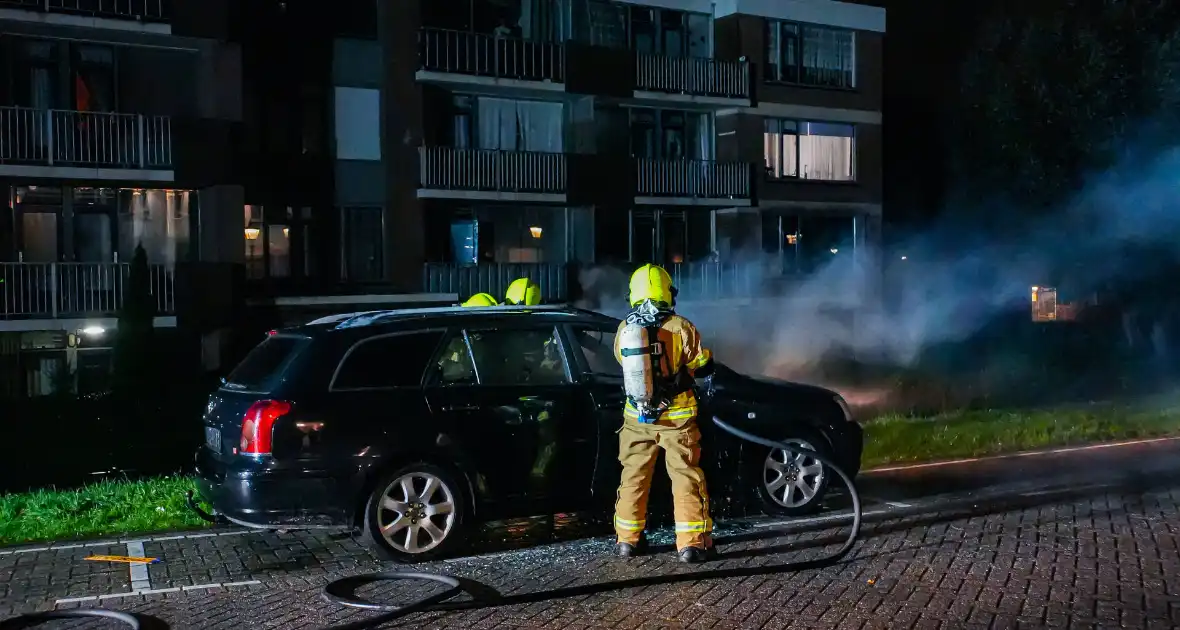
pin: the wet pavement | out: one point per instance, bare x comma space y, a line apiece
1075, 539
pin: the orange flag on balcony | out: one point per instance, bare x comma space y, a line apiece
81, 94
81, 99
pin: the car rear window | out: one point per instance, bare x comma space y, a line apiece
265, 363
396, 360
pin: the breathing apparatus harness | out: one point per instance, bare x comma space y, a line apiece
666, 383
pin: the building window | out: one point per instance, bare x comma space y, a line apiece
509, 125
810, 55
670, 134
502, 234
362, 232
268, 242
809, 150
156, 219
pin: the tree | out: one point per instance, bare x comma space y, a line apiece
134, 352
1054, 90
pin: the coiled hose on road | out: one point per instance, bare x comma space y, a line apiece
342, 591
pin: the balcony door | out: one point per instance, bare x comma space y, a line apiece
670, 134
37, 214
670, 237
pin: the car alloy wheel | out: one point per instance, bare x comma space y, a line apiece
416, 513
793, 481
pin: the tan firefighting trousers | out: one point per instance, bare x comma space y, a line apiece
639, 446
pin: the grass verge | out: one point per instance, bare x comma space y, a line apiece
901, 439
111, 508
106, 508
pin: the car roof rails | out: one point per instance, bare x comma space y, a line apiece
366, 318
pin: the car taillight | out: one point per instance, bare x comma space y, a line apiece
258, 426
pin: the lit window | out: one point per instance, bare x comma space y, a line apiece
809, 150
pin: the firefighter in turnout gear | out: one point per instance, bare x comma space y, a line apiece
481, 299
523, 292
661, 355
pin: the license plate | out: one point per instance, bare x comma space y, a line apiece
213, 439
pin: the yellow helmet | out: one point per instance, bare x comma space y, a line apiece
524, 292
651, 282
481, 299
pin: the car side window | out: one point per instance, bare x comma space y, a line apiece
454, 365
518, 357
598, 347
396, 360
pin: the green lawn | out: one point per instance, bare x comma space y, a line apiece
113, 508
101, 509
899, 439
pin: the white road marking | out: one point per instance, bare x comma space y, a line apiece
1056, 451
897, 504
140, 581
124, 541
174, 589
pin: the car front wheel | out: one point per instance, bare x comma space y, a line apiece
790, 484
415, 514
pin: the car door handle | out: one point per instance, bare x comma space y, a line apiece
460, 407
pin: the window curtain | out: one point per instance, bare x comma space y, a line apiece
509, 125
825, 152
828, 56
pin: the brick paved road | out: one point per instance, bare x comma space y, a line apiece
1081, 560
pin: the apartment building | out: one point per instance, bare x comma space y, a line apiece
694, 133
278, 153
115, 120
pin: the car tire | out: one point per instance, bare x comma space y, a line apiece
416, 514
788, 485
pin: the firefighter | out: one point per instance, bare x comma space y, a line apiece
523, 292
481, 299
661, 355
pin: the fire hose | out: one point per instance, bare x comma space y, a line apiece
342, 591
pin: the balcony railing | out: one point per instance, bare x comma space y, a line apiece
483, 55
148, 10
448, 168
693, 178
694, 281
56, 137
51, 290
693, 75
467, 280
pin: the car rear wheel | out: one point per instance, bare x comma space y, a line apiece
790, 484
415, 514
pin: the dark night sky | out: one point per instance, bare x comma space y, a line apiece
925, 42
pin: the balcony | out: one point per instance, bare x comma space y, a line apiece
457, 57
694, 77
138, 10
446, 172
69, 290
89, 140
693, 182
694, 281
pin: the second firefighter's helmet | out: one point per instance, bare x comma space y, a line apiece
652, 282
481, 299
523, 292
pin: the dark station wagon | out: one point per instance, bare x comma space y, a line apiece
415, 425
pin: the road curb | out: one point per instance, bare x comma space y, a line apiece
122, 540
1091, 446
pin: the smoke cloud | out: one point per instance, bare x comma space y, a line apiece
957, 279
